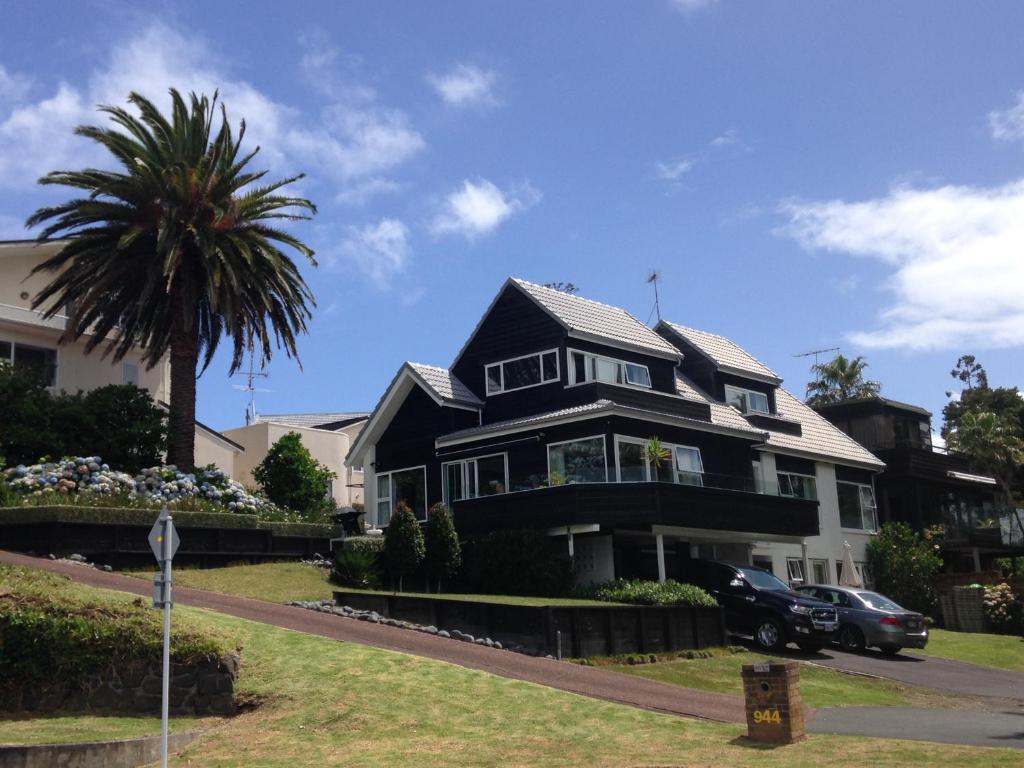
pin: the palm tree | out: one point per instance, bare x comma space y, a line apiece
840, 379
176, 250
992, 444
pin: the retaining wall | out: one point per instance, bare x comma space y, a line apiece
121, 753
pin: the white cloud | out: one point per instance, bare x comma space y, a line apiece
351, 139
689, 6
478, 208
13, 86
465, 85
729, 138
954, 254
672, 170
1008, 124
380, 251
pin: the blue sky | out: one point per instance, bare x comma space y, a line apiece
802, 174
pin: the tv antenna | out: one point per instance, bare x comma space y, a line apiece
652, 279
249, 386
817, 352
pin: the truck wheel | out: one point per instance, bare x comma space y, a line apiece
769, 635
851, 639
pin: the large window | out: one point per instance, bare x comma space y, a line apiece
746, 400
819, 570
683, 465
797, 486
577, 461
40, 360
522, 372
401, 485
585, 366
857, 506
795, 571
469, 478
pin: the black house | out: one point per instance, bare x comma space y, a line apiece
545, 420
930, 489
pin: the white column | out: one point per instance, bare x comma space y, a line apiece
807, 562
659, 542
572, 551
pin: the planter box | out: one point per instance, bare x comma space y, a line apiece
585, 630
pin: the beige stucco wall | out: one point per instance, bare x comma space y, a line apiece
210, 450
329, 448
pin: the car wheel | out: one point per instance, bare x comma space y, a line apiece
810, 647
850, 638
890, 650
769, 635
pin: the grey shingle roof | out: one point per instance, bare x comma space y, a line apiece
721, 414
444, 384
724, 353
601, 321
309, 420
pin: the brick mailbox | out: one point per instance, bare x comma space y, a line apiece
774, 706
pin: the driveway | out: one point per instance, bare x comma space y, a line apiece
586, 681
978, 729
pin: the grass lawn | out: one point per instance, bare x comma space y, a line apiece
281, 582
55, 728
331, 703
1003, 651
821, 687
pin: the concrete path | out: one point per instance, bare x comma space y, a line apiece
586, 681
979, 729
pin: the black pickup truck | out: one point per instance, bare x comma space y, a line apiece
758, 603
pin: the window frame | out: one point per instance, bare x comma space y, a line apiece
813, 478
499, 364
823, 562
391, 492
746, 391
12, 357
647, 464
802, 578
860, 502
476, 476
604, 446
571, 370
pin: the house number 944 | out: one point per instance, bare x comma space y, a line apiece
771, 716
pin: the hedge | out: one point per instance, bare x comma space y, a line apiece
640, 592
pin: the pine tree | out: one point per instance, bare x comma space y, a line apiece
444, 554
403, 543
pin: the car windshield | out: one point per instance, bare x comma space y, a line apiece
764, 580
879, 602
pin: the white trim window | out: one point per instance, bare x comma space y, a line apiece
797, 486
130, 373
41, 359
478, 476
407, 485
819, 570
632, 464
522, 372
795, 571
857, 509
577, 461
746, 400
585, 367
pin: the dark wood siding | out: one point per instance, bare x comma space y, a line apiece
663, 372
785, 463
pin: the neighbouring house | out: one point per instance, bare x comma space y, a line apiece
328, 436
26, 338
544, 421
931, 489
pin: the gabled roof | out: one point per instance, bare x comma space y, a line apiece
439, 384
724, 353
311, 420
721, 414
876, 400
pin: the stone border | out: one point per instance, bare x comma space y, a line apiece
118, 753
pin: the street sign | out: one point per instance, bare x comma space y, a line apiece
156, 536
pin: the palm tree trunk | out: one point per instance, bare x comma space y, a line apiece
181, 423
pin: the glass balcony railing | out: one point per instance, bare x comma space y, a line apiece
744, 484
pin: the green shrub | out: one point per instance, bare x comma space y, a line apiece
370, 543
1004, 610
904, 565
444, 555
292, 478
515, 562
403, 544
639, 592
356, 567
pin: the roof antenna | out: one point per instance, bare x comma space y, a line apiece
817, 352
653, 280
250, 411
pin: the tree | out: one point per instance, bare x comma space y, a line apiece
993, 444
904, 566
840, 379
175, 251
130, 430
970, 372
443, 553
403, 543
292, 478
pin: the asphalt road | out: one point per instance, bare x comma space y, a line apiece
978, 729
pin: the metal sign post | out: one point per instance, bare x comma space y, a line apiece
164, 541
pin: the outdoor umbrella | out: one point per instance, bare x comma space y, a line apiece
851, 576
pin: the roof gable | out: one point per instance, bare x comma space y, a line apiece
726, 354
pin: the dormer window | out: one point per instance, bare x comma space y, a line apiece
746, 400
522, 372
588, 367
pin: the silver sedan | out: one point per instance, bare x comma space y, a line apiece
868, 619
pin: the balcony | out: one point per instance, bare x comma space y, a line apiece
716, 502
986, 528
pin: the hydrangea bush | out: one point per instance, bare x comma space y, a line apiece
1003, 609
89, 476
